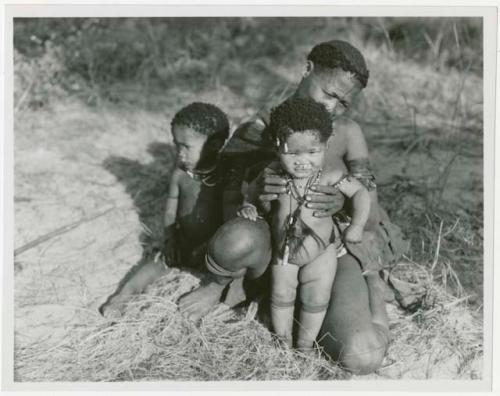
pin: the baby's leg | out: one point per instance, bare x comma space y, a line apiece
283, 293
316, 280
134, 282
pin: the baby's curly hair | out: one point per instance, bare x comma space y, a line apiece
338, 53
204, 118
299, 115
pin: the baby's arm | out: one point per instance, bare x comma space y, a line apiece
247, 210
353, 189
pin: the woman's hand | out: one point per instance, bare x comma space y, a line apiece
324, 200
268, 185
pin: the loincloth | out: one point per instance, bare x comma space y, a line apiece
379, 252
379, 249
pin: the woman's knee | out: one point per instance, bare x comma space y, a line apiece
240, 242
364, 352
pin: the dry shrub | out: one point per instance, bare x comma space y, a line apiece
37, 80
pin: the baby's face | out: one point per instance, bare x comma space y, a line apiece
189, 145
302, 154
335, 89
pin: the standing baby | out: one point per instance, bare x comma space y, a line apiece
303, 252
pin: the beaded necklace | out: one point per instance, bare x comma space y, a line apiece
208, 177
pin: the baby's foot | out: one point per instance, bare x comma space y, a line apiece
308, 351
197, 303
306, 346
284, 341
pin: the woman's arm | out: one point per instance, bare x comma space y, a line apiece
357, 160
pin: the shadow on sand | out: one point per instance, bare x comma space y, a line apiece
147, 184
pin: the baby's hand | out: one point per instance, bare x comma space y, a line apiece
248, 211
353, 233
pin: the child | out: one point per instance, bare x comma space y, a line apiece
192, 212
302, 252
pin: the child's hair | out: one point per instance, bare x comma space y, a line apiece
338, 53
204, 118
299, 115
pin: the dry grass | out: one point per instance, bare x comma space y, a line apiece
154, 342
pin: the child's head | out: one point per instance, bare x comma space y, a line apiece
336, 73
301, 128
199, 131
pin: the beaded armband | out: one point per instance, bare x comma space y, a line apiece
361, 170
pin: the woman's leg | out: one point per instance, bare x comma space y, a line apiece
239, 248
316, 279
355, 330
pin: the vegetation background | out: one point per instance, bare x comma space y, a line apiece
93, 98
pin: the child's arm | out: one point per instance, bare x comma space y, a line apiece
353, 189
172, 202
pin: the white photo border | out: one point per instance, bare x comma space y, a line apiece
489, 15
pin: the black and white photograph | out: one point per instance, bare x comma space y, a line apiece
248, 198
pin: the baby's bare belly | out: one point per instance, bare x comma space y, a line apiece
308, 248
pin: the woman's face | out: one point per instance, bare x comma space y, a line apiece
335, 89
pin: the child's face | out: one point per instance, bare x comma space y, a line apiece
335, 89
302, 154
189, 145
